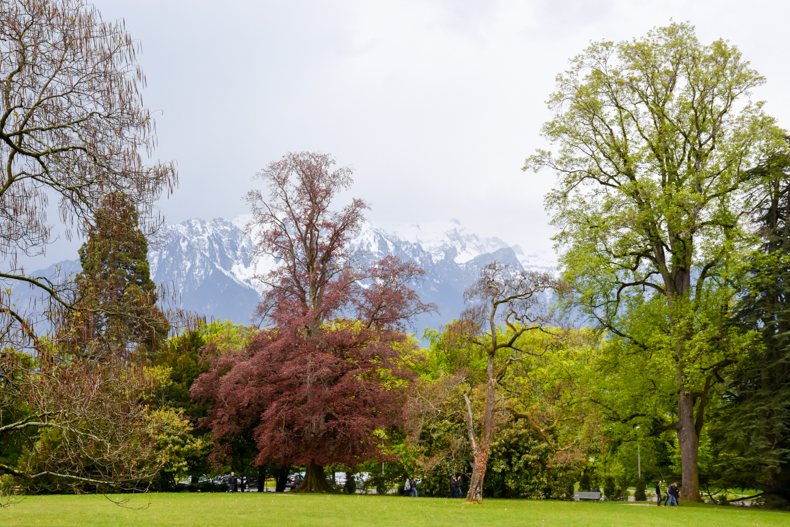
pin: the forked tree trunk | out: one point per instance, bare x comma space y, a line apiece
480, 464
481, 448
499, 287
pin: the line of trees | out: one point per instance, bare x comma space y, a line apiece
672, 204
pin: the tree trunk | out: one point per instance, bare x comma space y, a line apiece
314, 480
475, 494
281, 478
689, 448
261, 479
481, 449
688, 435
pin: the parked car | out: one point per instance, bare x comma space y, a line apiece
294, 480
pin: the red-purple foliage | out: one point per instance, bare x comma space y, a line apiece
312, 389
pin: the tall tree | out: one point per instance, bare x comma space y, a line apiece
655, 141
115, 312
72, 126
502, 295
752, 433
319, 383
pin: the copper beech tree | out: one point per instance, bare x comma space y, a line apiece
314, 387
515, 300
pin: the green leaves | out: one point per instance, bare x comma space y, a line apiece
656, 142
115, 313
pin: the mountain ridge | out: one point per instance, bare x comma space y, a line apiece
211, 265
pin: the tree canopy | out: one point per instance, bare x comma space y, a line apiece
115, 310
657, 139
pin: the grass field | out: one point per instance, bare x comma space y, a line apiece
290, 510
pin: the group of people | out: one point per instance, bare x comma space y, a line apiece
410, 487
671, 497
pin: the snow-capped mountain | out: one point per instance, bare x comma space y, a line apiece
209, 266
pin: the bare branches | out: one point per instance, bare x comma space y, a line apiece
517, 299
299, 230
72, 123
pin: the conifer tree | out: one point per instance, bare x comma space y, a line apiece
115, 313
751, 436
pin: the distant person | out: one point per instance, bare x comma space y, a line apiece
407, 487
673, 495
455, 485
414, 487
233, 483
658, 493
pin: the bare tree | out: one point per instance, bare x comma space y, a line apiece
73, 129
515, 299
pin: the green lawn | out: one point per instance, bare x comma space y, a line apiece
290, 510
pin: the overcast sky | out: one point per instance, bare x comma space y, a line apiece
435, 104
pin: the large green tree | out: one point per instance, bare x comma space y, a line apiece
115, 312
655, 139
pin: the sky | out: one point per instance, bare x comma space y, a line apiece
434, 104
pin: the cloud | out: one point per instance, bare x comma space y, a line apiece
435, 104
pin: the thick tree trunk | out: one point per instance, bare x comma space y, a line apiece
281, 478
314, 480
261, 479
688, 440
688, 431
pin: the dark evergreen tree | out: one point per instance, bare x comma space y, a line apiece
115, 313
752, 438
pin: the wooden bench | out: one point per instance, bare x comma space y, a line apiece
587, 496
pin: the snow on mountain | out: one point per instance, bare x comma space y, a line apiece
210, 266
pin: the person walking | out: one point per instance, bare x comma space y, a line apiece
658, 493
455, 485
673, 495
414, 487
